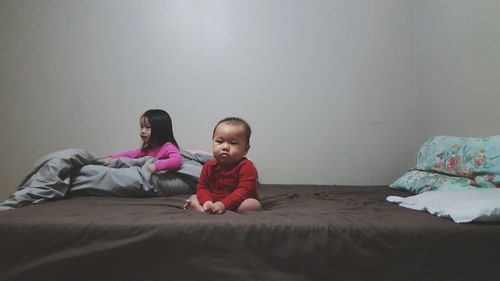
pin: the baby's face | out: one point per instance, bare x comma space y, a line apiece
229, 143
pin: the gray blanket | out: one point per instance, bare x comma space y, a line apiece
73, 172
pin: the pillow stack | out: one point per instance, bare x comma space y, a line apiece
460, 162
461, 173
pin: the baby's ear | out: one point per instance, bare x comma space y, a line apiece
247, 148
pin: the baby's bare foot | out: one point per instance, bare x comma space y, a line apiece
187, 204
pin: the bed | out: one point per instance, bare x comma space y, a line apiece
306, 232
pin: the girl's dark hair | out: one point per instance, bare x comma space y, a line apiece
161, 129
236, 120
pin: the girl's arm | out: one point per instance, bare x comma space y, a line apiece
168, 158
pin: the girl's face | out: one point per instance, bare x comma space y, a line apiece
229, 144
145, 129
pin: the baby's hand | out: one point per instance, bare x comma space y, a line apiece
207, 207
152, 168
218, 208
214, 208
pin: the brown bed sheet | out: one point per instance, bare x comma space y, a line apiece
305, 233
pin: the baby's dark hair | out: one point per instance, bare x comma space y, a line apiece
235, 120
161, 129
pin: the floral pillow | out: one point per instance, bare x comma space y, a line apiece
416, 181
460, 156
456, 162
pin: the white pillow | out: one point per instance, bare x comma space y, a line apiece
461, 205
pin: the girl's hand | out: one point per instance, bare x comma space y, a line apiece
152, 167
107, 159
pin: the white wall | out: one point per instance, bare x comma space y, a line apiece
328, 86
457, 67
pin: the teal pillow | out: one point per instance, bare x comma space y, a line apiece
457, 162
460, 156
416, 181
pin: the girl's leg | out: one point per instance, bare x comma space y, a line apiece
249, 205
193, 203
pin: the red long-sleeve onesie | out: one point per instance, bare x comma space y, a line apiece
231, 185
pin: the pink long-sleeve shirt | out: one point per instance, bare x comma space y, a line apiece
168, 156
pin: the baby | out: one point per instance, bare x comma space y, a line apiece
229, 182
